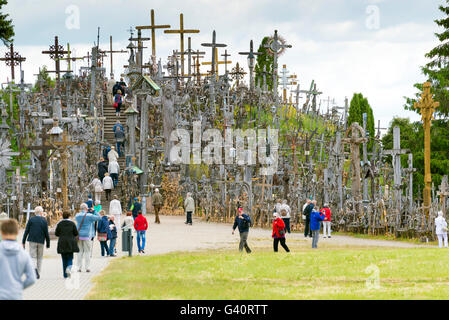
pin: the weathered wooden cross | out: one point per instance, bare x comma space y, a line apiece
153, 28
111, 52
12, 59
251, 63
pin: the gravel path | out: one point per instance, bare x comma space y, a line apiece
170, 236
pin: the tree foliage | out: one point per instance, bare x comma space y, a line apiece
437, 70
264, 60
6, 26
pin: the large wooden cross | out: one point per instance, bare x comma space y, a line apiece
62, 149
111, 52
196, 65
181, 31
69, 58
12, 59
43, 158
56, 52
444, 193
217, 62
190, 53
214, 45
427, 106
153, 28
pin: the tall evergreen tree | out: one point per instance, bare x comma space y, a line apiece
359, 105
437, 70
6, 27
264, 60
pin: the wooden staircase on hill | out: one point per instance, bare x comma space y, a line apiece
111, 119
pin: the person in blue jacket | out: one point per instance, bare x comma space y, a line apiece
243, 222
85, 222
136, 207
315, 219
103, 228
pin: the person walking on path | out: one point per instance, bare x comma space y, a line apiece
98, 188
112, 155
86, 231
136, 207
285, 215
102, 168
119, 135
36, 232
98, 207
141, 226
114, 169
326, 221
108, 185
67, 232
307, 212
15, 263
278, 234
113, 240
128, 223
189, 205
243, 222
118, 100
157, 201
115, 209
104, 233
315, 219
441, 230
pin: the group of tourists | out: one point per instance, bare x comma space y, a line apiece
119, 91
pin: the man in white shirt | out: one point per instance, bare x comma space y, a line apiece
112, 155
114, 169
115, 209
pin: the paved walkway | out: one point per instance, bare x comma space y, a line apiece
170, 236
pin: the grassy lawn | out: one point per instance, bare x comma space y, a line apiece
389, 237
326, 273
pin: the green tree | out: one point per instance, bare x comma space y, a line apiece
45, 80
6, 26
264, 60
437, 70
359, 105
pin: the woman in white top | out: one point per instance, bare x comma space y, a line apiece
98, 188
441, 229
115, 209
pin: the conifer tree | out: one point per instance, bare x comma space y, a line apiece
6, 27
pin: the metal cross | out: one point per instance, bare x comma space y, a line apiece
56, 52
12, 59
251, 63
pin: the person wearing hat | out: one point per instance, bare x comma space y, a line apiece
157, 201
36, 232
243, 222
278, 234
441, 230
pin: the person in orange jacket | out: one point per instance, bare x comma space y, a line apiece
141, 226
278, 234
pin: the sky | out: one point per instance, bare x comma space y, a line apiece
373, 47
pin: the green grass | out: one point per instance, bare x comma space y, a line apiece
326, 273
388, 237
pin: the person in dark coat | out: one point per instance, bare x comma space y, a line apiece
243, 222
36, 232
103, 227
105, 152
90, 204
113, 239
116, 87
102, 168
67, 232
307, 212
136, 207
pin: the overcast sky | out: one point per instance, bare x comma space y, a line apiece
375, 47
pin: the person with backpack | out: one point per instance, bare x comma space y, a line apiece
116, 87
243, 222
278, 234
118, 100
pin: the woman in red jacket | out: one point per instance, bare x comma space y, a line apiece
140, 225
326, 221
278, 233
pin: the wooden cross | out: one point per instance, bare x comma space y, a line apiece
56, 52
237, 73
251, 57
427, 106
43, 157
111, 52
12, 59
216, 62
196, 65
181, 32
63, 147
189, 53
444, 193
214, 45
226, 55
153, 28
70, 58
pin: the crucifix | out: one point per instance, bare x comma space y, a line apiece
276, 47
214, 45
111, 52
63, 148
153, 28
12, 59
427, 106
356, 139
56, 52
251, 63
43, 157
181, 32
140, 47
